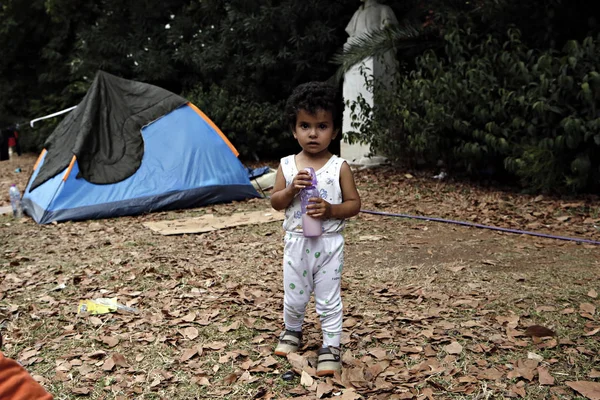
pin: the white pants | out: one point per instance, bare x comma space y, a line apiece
314, 264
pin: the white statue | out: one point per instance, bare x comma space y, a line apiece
369, 17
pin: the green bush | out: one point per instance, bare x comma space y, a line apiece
489, 103
237, 59
246, 56
255, 129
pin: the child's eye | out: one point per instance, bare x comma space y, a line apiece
304, 125
323, 126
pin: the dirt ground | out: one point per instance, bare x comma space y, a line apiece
432, 310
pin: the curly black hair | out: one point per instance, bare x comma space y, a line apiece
312, 97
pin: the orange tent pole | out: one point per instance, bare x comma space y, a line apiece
215, 127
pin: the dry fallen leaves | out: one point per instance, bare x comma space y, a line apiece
453, 348
26, 355
108, 365
188, 354
230, 379
456, 268
110, 341
234, 326
535, 356
396, 326
592, 332
191, 332
81, 390
587, 308
510, 321
544, 376
306, 380
350, 394
591, 390
539, 331
324, 388
297, 361
119, 360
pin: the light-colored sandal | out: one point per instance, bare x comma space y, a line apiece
289, 342
329, 361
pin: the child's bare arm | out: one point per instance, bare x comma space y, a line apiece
282, 196
351, 199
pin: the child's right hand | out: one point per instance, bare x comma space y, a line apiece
301, 180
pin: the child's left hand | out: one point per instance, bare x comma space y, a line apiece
319, 208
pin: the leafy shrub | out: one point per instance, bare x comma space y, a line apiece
489, 103
255, 129
240, 58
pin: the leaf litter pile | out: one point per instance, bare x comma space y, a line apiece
432, 311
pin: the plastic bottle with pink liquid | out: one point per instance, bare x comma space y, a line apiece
311, 227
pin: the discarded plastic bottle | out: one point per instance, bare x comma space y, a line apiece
15, 201
311, 227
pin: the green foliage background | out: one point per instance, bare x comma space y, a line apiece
493, 87
236, 59
487, 103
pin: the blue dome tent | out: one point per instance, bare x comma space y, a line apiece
131, 148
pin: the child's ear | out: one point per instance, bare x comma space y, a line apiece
335, 133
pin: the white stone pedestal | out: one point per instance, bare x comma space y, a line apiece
354, 87
358, 154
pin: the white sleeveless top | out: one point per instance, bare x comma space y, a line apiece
328, 183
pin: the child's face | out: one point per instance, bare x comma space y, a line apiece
314, 132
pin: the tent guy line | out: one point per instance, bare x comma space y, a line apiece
481, 226
474, 225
